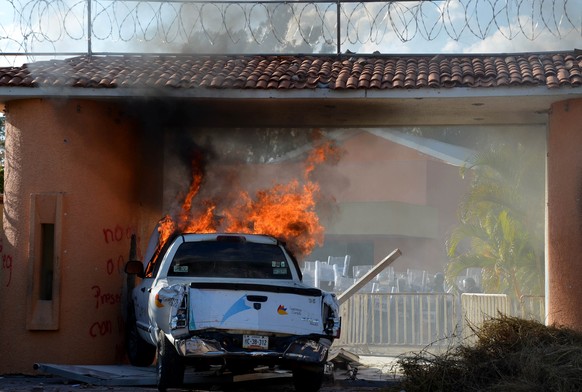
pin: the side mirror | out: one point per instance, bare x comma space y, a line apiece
134, 267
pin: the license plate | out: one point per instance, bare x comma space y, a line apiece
256, 342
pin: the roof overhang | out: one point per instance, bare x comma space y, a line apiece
327, 107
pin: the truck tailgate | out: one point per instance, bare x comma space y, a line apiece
251, 307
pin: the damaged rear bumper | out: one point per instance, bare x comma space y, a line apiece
303, 349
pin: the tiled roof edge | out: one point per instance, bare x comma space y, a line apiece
308, 71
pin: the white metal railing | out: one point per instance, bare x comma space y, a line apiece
409, 319
380, 313
479, 307
532, 307
380, 323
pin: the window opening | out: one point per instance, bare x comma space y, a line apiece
47, 261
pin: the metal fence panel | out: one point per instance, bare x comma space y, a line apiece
380, 323
406, 319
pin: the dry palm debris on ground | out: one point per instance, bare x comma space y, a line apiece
509, 354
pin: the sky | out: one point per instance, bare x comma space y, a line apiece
446, 26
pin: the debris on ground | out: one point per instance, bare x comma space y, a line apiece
344, 372
507, 354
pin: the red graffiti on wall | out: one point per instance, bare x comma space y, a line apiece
106, 327
7, 265
102, 298
119, 234
101, 328
115, 266
6, 262
115, 237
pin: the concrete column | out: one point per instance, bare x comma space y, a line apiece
564, 215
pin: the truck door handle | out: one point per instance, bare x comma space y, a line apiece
257, 298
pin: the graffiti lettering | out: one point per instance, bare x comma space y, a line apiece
118, 234
6, 262
113, 235
106, 327
7, 265
101, 328
113, 266
105, 298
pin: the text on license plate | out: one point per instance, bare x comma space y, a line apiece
256, 341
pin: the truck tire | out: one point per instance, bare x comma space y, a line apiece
308, 379
139, 352
169, 366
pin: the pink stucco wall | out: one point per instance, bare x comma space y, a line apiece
109, 172
85, 151
379, 169
374, 169
564, 214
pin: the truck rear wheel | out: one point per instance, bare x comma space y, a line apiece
308, 379
169, 366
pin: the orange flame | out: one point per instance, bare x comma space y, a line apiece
284, 211
326, 152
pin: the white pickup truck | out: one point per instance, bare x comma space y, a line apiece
235, 300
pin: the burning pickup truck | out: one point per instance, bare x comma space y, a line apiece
235, 300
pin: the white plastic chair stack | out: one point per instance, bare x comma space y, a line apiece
361, 270
324, 275
384, 281
343, 263
308, 272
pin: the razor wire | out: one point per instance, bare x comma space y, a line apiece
69, 27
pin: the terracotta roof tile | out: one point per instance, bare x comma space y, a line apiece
552, 81
301, 72
284, 84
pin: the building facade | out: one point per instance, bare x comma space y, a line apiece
92, 145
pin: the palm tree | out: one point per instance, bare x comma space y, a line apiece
501, 220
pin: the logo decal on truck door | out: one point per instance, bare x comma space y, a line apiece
282, 310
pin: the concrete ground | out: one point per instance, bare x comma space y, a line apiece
373, 374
